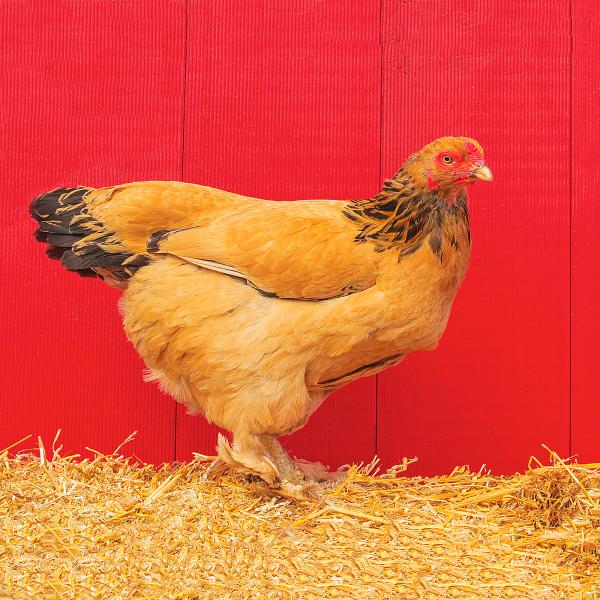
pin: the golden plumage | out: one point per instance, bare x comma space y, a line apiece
250, 311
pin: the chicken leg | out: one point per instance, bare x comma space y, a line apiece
288, 469
264, 456
248, 455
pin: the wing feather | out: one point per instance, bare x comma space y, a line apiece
298, 250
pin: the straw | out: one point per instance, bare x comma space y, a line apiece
110, 528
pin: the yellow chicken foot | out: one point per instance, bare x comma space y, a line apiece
263, 455
247, 455
287, 468
297, 470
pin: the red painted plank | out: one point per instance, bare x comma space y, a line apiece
586, 216
498, 384
283, 103
91, 94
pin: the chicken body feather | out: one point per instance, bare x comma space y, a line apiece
251, 311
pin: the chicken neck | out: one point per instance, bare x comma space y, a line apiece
404, 214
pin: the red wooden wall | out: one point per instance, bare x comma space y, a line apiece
314, 98
498, 384
585, 183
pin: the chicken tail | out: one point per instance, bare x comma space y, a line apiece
79, 241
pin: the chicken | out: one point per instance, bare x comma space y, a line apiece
252, 312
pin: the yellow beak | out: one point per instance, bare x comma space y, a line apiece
483, 173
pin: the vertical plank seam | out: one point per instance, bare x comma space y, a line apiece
182, 163
184, 84
378, 184
570, 120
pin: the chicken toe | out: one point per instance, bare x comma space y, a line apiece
316, 471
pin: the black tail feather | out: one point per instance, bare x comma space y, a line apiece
47, 204
64, 223
62, 240
40, 236
54, 252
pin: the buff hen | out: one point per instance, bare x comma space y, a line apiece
252, 312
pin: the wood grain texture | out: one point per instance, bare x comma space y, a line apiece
282, 103
283, 100
585, 416
91, 94
498, 384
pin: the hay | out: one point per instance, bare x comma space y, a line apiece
108, 528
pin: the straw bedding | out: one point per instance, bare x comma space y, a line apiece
108, 528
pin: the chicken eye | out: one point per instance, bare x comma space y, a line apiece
447, 159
